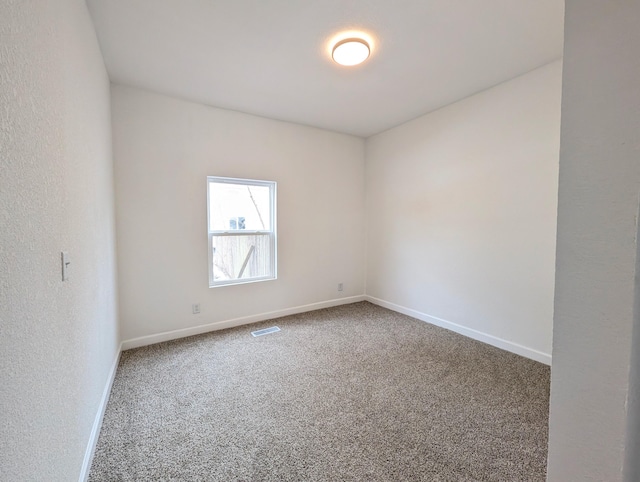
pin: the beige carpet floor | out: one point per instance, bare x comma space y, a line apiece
352, 393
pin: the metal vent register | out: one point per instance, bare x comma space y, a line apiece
266, 331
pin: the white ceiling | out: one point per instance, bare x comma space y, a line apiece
271, 57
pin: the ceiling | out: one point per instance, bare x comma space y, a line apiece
272, 57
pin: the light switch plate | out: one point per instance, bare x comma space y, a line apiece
64, 258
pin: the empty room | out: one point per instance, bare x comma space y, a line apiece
334, 240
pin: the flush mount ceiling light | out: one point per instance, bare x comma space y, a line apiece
351, 51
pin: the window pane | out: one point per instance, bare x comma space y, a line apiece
241, 257
239, 207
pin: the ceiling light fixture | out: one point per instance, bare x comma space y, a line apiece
351, 51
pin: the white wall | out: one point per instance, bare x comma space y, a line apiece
164, 148
461, 207
58, 340
597, 237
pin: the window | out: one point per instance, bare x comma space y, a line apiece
242, 230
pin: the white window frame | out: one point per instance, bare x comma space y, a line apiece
271, 232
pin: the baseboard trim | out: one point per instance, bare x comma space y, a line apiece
97, 423
468, 332
246, 320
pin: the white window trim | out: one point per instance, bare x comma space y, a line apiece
272, 185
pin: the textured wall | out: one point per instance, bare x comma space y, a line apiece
461, 207
57, 340
599, 188
164, 149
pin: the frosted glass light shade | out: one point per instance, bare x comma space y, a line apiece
351, 51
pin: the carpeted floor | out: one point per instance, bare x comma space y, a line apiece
352, 393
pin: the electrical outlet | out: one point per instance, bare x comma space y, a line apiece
340, 286
195, 308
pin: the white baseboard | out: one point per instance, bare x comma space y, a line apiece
97, 423
468, 332
221, 325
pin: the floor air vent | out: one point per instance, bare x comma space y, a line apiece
266, 331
